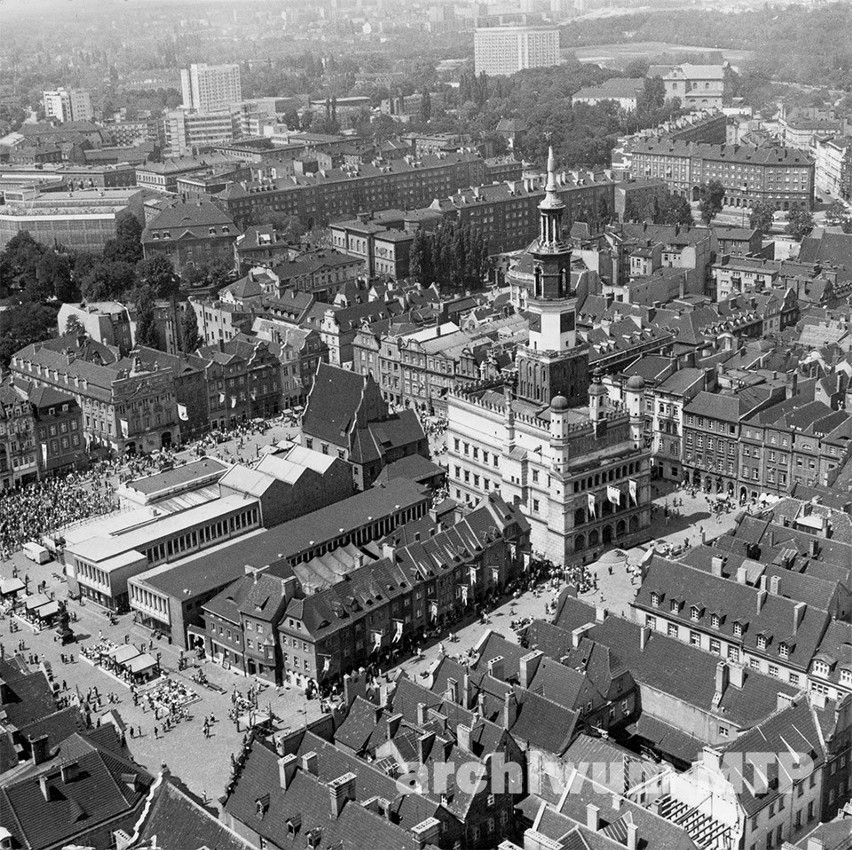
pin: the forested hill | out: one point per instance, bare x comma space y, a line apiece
792, 44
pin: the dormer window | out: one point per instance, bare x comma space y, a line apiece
821, 668
655, 599
674, 606
784, 650
211, 231
715, 621
846, 677
695, 613
761, 641
738, 629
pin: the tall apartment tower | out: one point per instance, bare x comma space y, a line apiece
210, 88
553, 362
68, 105
506, 50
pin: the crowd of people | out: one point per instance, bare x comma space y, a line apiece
29, 512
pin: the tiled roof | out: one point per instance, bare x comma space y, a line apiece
675, 667
106, 785
773, 617
792, 729
177, 821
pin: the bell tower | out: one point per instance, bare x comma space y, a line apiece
552, 363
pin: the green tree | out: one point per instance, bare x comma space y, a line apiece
417, 257
24, 324
799, 224
127, 245
74, 327
837, 214
19, 261
158, 273
54, 277
631, 209
107, 281
146, 326
761, 217
675, 209
710, 200
190, 338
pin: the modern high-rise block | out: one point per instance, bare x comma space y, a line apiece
64, 105
210, 88
506, 50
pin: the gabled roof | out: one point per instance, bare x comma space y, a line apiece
105, 785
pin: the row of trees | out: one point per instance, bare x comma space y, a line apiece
454, 256
664, 208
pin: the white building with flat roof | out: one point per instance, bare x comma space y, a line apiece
210, 88
101, 557
507, 50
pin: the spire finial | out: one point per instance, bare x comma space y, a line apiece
551, 171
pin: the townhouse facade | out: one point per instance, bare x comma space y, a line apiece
781, 177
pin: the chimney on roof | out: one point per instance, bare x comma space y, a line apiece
632, 835
784, 700
421, 714
40, 749
761, 599
427, 832
496, 668
774, 585
393, 725
736, 675
722, 679
644, 634
341, 790
742, 575
813, 547
463, 734
465, 695
310, 763
798, 614
593, 820
424, 746
528, 666
510, 709
286, 770
716, 564
453, 690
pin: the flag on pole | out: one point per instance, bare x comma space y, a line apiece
613, 494
182, 412
397, 635
125, 428
593, 509
634, 489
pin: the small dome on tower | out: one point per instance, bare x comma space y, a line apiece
559, 404
597, 388
636, 382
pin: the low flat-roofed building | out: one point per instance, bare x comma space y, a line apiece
99, 565
171, 482
169, 598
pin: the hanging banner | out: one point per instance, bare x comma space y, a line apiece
634, 489
182, 412
397, 635
377, 641
593, 508
473, 575
613, 494
326, 664
495, 574
433, 610
221, 398
464, 593
233, 401
125, 428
